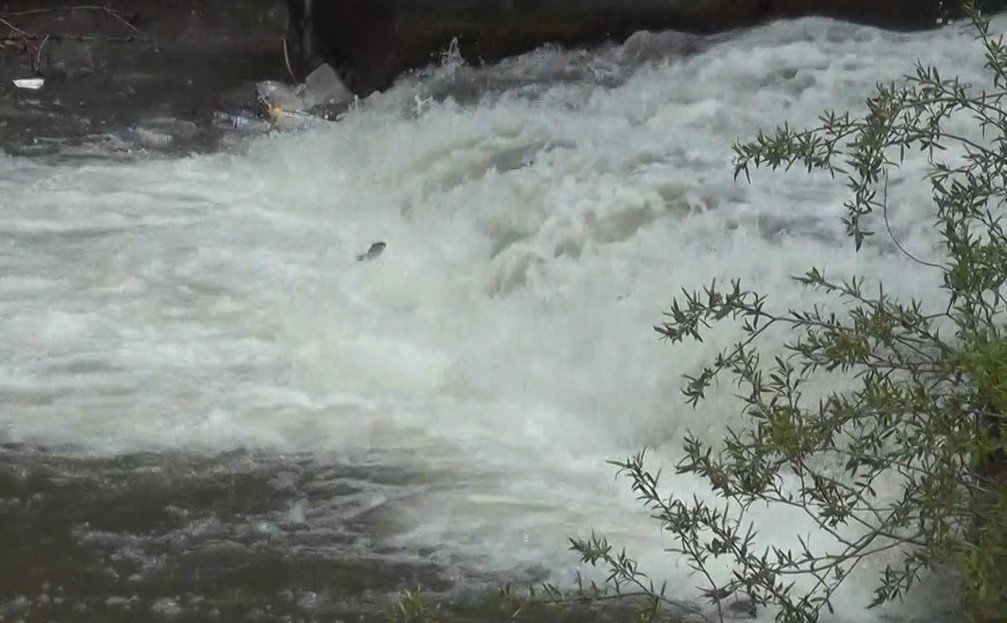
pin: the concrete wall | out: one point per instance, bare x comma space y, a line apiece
372, 41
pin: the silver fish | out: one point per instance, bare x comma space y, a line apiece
376, 249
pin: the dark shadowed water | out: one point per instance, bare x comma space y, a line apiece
188, 538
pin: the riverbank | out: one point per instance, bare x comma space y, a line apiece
107, 70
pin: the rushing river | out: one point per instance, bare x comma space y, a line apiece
212, 411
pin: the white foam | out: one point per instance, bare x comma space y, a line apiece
540, 215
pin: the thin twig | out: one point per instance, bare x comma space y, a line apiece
38, 53
891, 234
69, 9
286, 59
15, 29
126, 39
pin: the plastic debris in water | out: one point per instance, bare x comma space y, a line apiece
323, 86
376, 249
242, 122
234, 122
160, 132
32, 84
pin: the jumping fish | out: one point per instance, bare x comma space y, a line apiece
376, 249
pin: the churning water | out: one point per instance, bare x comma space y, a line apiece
208, 405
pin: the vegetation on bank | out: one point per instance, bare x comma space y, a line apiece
923, 385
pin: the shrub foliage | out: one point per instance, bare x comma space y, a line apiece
906, 456
919, 387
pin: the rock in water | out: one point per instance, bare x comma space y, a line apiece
376, 249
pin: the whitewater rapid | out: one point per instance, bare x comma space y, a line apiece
539, 216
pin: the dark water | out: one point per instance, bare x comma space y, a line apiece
234, 537
188, 538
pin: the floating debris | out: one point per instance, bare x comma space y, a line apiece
376, 249
160, 132
32, 84
245, 122
321, 88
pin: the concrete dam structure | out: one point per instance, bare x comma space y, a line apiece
370, 42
